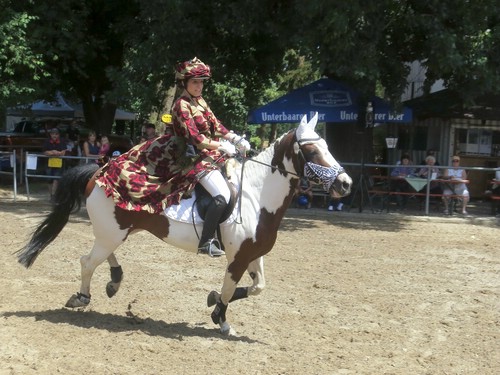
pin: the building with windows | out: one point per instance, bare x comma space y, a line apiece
444, 123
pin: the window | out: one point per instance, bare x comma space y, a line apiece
475, 141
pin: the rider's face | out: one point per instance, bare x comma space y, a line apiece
194, 86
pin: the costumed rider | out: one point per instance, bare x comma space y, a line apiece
194, 120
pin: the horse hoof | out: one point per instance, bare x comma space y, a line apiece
213, 298
110, 289
78, 300
227, 330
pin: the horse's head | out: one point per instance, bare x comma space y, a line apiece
320, 166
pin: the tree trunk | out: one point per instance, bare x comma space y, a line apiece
99, 116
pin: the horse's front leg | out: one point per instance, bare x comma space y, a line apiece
230, 292
89, 263
116, 276
256, 271
222, 301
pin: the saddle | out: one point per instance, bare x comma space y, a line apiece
193, 209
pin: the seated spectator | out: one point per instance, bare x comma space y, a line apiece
304, 193
458, 188
494, 190
430, 153
398, 182
430, 161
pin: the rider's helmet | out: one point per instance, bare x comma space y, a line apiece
194, 68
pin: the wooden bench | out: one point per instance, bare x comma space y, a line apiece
495, 201
319, 192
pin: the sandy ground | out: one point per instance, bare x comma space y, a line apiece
346, 294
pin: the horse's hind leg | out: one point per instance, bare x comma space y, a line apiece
116, 276
89, 263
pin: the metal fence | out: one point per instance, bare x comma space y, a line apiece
36, 166
368, 173
8, 167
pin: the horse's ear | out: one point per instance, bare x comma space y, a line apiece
306, 129
313, 121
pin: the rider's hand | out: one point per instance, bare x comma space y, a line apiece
244, 145
240, 142
227, 148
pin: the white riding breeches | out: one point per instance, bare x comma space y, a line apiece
215, 184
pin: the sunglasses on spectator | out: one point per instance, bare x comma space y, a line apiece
455, 160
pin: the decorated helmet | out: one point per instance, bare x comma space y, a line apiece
194, 68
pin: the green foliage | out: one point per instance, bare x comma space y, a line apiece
20, 68
122, 52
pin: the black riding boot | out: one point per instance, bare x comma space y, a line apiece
208, 244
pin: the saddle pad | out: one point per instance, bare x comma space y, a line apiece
183, 212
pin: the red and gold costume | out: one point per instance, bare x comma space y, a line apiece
157, 173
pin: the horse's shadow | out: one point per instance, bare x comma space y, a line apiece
118, 323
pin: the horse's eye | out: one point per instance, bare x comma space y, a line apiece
310, 154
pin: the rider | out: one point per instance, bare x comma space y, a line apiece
194, 120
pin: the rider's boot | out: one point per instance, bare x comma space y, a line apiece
208, 244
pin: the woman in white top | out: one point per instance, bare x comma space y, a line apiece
456, 188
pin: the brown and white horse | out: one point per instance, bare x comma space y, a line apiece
267, 184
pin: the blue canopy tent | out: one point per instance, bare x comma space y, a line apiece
42, 108
334, 102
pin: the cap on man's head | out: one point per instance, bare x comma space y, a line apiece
149, 125
54, 130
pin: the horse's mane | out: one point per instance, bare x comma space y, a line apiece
258, 166
268, 153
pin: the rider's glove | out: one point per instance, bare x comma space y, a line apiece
227, 148
240, 142
244, 144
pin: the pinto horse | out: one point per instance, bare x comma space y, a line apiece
267, 185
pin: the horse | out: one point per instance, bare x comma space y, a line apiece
267, 183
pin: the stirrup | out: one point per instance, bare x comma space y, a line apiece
212, 248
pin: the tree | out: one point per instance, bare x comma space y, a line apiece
122, 52
20, 68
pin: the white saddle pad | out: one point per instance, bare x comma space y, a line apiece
186, 212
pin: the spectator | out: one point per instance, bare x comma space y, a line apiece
72, 138
398, 182
91, 146
430, 162
54, 147
104, 150
105, 146
434, 173
304, 193
335, 204
457, 188
149, 131
494, 190
430, 153
166, 119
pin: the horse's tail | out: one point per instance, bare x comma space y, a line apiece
68, 199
